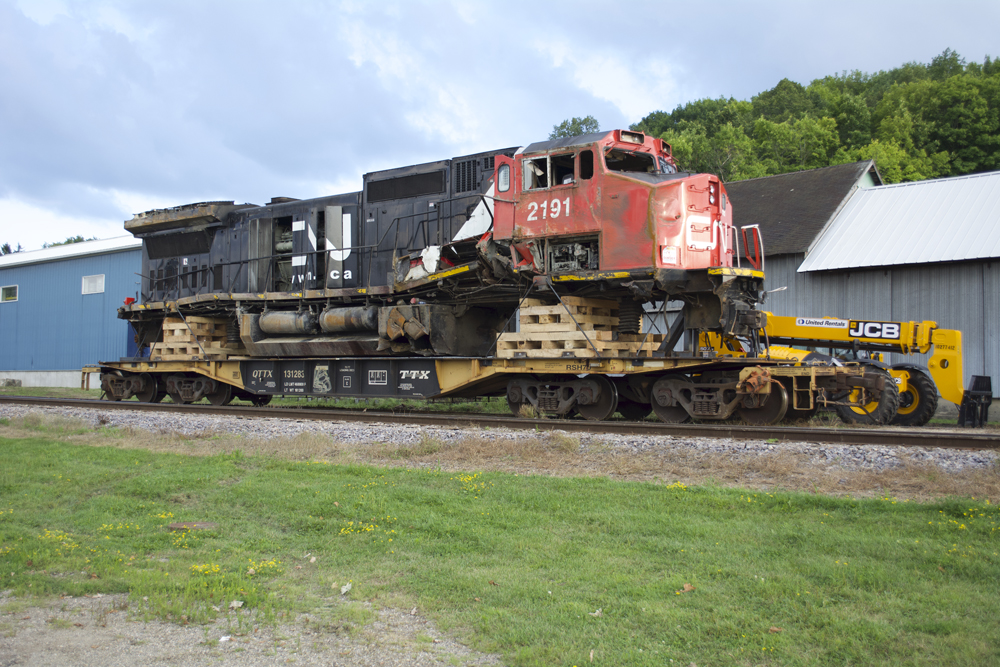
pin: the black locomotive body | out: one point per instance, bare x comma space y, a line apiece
327, 276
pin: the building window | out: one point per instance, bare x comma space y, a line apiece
93, 284
8, 293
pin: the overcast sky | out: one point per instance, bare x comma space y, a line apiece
113, 108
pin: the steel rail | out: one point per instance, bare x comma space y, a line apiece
872, 435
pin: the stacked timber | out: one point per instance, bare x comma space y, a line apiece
577, 327
193, 338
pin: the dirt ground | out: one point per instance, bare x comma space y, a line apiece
104, 632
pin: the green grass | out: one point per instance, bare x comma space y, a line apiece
52, 392
513, 564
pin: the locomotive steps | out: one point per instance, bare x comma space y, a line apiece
573, 328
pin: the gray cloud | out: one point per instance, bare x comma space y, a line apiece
118, 103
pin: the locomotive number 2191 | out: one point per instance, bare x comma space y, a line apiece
553, 208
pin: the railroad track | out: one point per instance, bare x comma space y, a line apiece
890, 436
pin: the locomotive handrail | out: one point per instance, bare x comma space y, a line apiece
368, 250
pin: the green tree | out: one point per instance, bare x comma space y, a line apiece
711, 114
946, 65
854, 120
806, 143
69, 240
921, 120
728, 153
895, 164
5, 249
959, 116
574, 127
786, 100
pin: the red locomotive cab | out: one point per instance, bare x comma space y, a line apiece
545, 202
612, 201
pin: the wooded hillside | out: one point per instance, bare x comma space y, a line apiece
916, 121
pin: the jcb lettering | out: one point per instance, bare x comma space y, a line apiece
885, 330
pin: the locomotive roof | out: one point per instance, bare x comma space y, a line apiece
565, 142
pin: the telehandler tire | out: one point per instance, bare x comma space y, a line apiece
918, 403
879, 411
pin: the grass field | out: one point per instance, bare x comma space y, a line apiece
542, 570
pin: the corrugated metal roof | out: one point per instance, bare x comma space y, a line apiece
56, 253
946, 220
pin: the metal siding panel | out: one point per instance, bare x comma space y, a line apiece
808, 294
868, 295
54, 326
962, 296
780, 272
991, 319
944, 294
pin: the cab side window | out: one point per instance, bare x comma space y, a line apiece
562, 169
536, 173
586, 165
546, 172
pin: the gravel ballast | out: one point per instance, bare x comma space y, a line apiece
872, 457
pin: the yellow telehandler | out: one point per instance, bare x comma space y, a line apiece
796, 338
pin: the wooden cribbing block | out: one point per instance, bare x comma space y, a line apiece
198, 337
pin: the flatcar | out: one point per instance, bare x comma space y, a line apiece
431, 262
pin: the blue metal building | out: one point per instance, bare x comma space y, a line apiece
58, 309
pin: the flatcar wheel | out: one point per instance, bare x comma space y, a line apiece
223, 395
149, 392
107, 395
261, 400
674, 414
605, 405
633, 411
771, 412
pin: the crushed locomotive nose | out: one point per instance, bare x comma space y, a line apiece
538, 273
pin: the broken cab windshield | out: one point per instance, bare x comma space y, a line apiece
620, 160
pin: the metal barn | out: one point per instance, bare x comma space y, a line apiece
58, 309
846, 246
